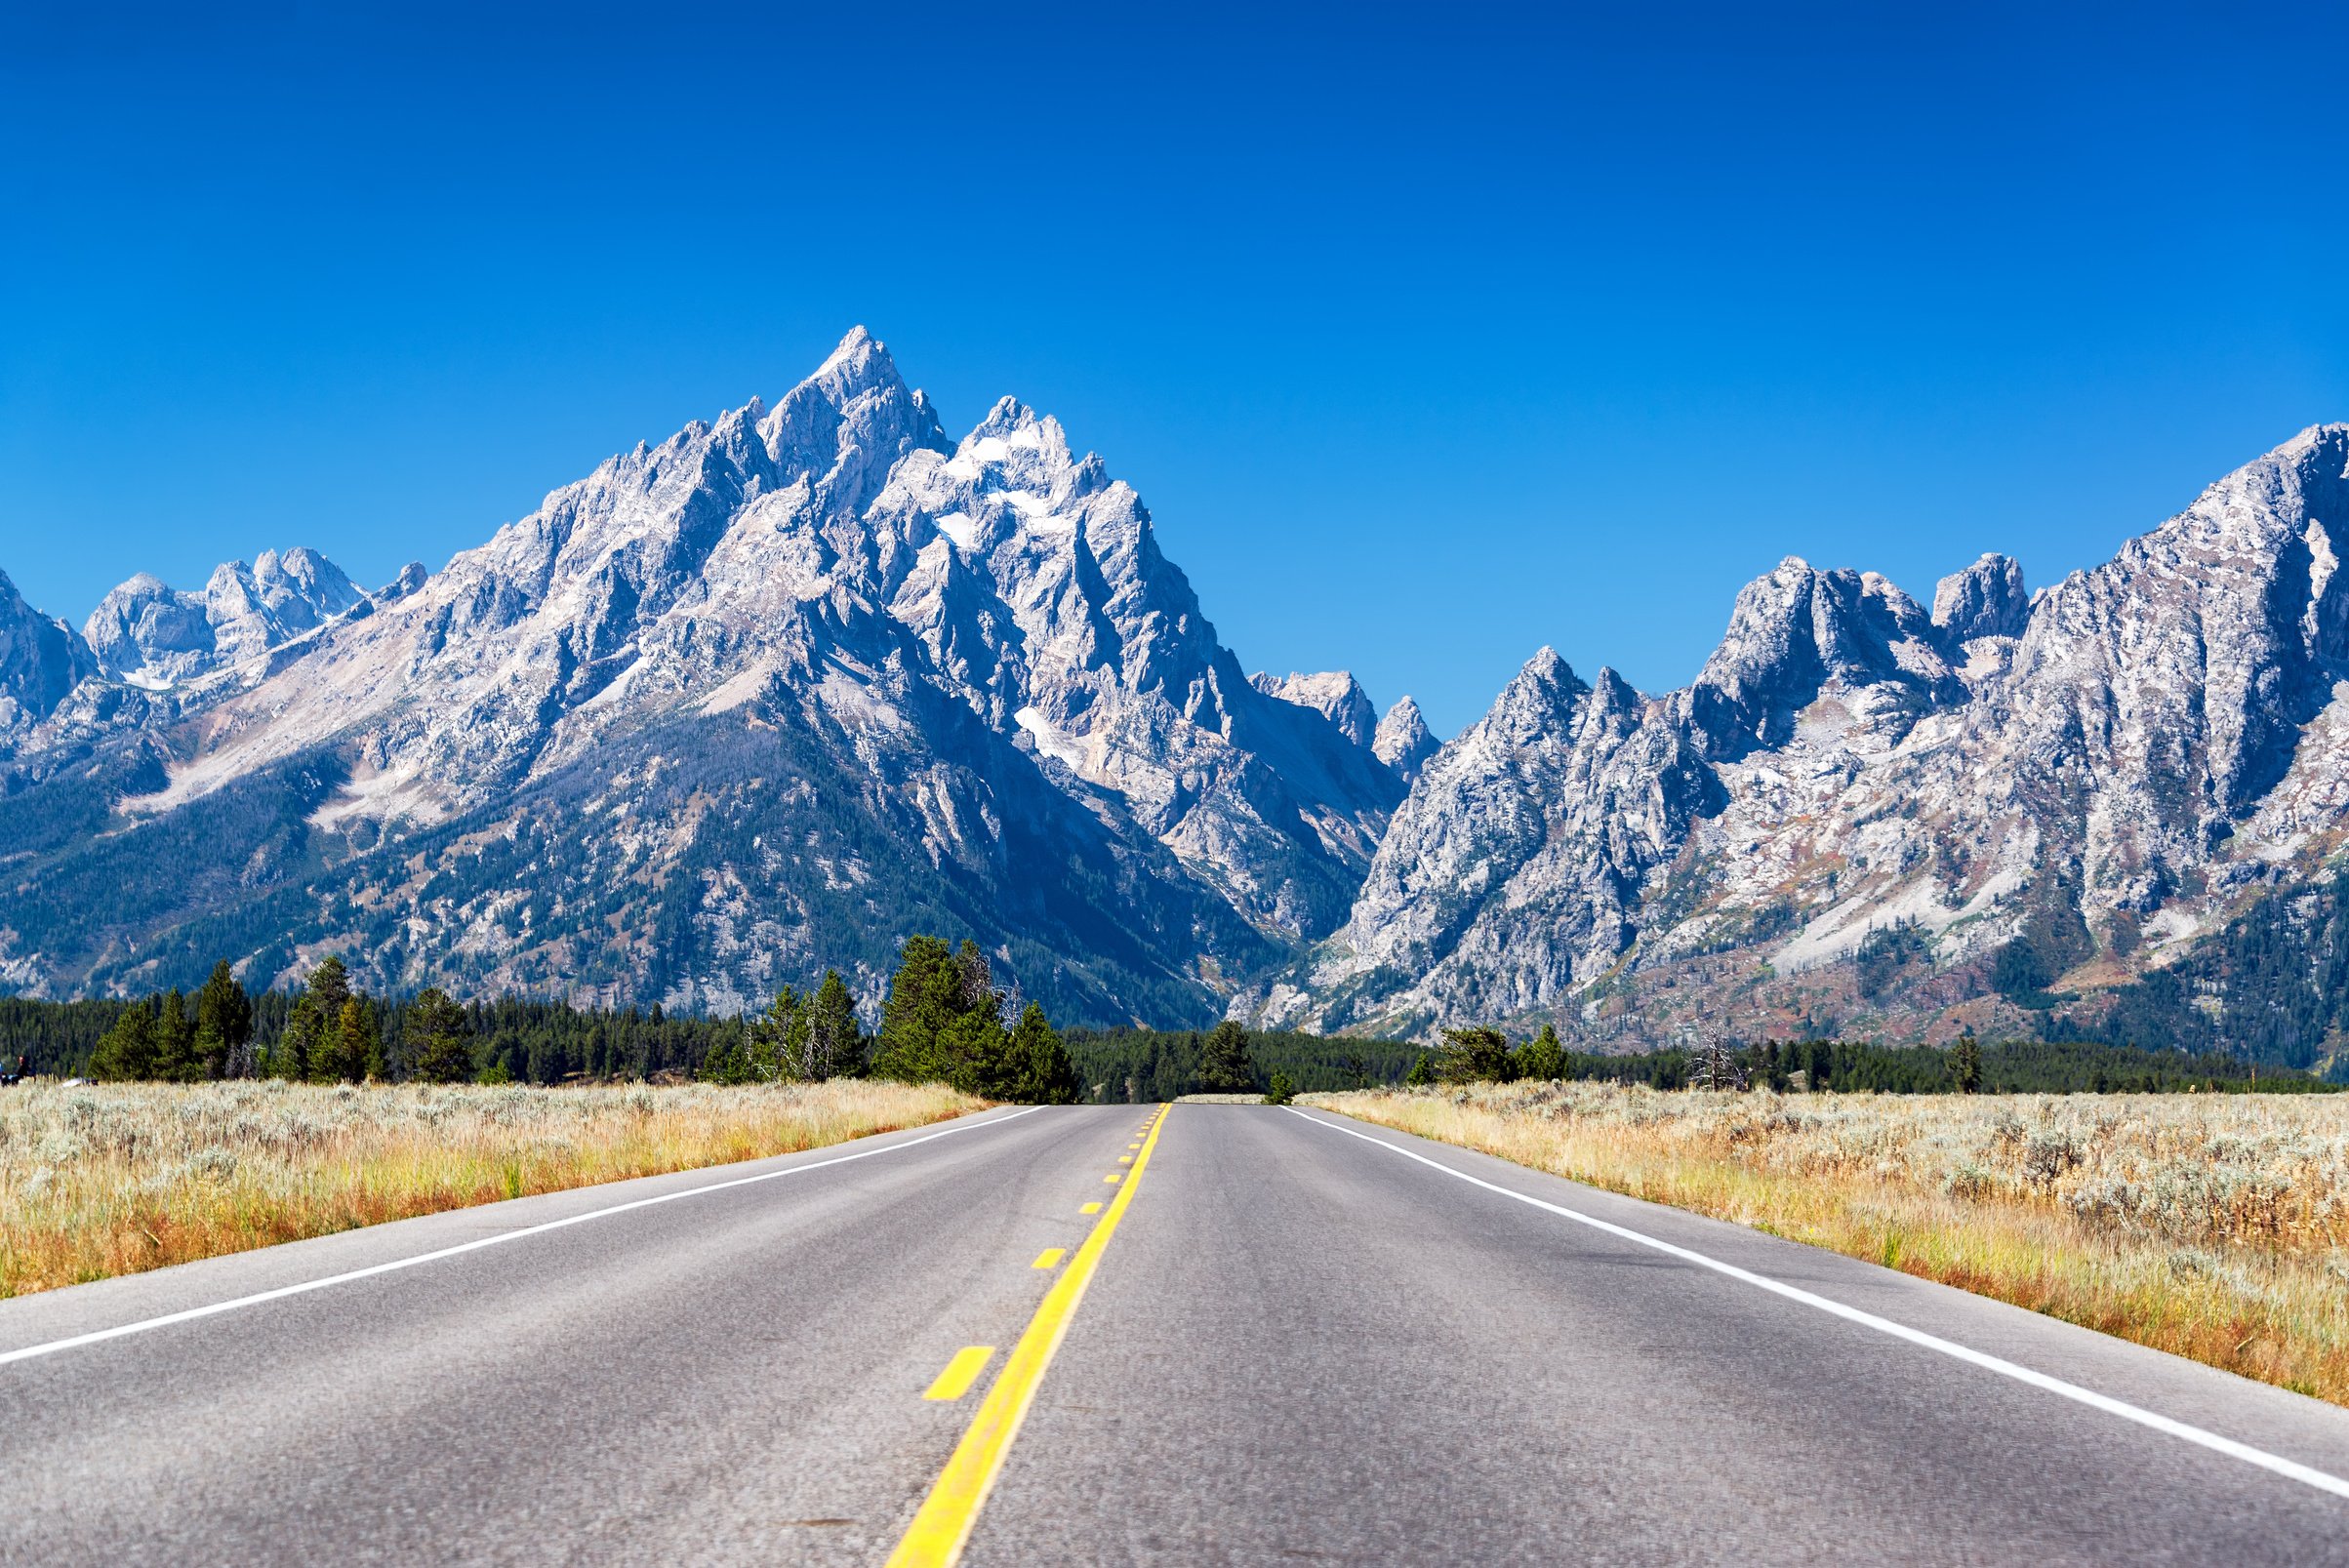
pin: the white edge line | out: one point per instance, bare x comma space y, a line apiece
2305, 1474
141, 1326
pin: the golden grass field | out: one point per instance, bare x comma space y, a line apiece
2210, 1225
110, 1178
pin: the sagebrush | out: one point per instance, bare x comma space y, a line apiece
109, 1179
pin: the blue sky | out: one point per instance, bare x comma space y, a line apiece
1429, 337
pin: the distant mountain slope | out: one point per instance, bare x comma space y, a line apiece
767, 695
2008, 799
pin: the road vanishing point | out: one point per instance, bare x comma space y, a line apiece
1205, 1333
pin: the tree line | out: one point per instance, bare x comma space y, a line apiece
1966, 1067
1143, 1066
944, 1020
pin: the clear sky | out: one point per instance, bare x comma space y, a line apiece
1429, 336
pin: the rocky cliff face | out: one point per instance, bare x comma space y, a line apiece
41, 662
2094, 779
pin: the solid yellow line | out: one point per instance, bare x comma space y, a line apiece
1090, 1208
1049, 1258
960, 1373
942, 1527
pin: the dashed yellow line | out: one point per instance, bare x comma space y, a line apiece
1049, 1258
1090, 1208
1113, 1177
960, 1373
943, 1526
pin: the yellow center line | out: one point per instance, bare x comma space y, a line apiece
1111, 1176
942, 1527
960, 1373
1049, 1258
1090, 1208
1125, 1159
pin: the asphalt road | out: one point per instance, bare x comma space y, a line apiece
1298, 1346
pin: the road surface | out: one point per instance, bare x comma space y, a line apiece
1287, 1342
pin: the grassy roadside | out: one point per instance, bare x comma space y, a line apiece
100, 1180
2215, 1227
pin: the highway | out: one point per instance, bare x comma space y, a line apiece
1213, 1334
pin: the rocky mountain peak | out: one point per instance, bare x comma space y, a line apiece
1334, 694
1986, 599
41, 662
1402, 740
411, 577
1542, 696
147, 633
1796, 630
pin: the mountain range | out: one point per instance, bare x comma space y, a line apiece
797, 682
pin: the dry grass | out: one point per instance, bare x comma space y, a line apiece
2215, 1227
102, 1180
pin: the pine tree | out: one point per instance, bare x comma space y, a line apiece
437, 1052
127, 1051
1474, 1055
979, 1050
730, 1060
225, 1024
1542, 1058
835, 1041
777, 1048
924, 999
362, 1046
1421, 1074
1224, 1066
177, 1060
328, 1059
1047, 1076
1279, 1092
299, 1042
1966, 1064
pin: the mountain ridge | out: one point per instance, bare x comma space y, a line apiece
2098, 774
980, 639
795, 681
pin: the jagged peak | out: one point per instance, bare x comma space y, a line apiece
1611, 691
1015, 424
861, 364
1402, 740
1334, 694
1986, 599
1546, 677
410, 576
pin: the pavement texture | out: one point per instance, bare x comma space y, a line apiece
1299, 1347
